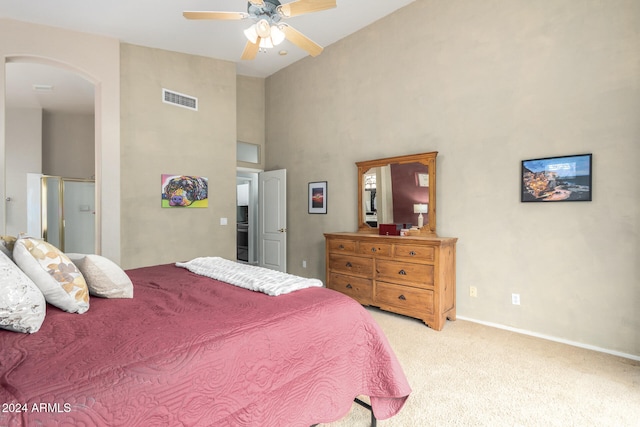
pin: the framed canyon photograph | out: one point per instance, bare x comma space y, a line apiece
318, 197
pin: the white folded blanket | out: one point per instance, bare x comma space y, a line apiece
270, 282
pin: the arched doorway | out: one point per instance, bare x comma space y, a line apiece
50, 130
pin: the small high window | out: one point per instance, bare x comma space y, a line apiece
247, 152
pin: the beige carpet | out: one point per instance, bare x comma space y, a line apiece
475, 375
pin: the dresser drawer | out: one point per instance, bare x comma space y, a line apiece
351, 265
407, 300
356, 287
347, 246
420, 275
375, 249
416, 252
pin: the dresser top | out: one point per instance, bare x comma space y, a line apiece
394, 239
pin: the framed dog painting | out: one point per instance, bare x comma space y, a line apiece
184, 191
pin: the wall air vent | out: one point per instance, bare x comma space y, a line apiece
179, 99
42, 88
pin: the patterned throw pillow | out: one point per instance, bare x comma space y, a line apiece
104, 277
22, 305
53, 272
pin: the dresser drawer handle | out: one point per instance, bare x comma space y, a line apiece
402, 297
341, 247
349, 286
373, 249
348, 264
412, 253
402, 273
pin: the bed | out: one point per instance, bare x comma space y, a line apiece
190, 350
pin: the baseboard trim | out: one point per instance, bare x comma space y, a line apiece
552, 338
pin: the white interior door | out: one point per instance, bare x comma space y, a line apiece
272, 220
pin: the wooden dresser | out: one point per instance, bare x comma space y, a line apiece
410, 275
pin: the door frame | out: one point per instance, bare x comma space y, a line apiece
250, 176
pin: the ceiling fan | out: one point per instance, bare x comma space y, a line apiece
269, 29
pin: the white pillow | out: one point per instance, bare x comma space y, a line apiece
22, 305
103, 276
53, 272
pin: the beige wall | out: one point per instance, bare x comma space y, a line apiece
68, 144
96, 59
23, 151
487, 84
251, 114
158, 138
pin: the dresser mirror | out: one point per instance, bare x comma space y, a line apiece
398, 190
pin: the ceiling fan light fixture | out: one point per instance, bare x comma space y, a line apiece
269, 35
277, 35
263, 28
251, 34
266, 43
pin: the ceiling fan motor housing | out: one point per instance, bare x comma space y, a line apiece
267, 10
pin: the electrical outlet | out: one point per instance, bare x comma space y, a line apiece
473, 291
515, 299
304, 264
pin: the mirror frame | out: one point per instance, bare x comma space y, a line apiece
427, 159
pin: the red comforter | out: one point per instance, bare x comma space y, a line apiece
191, 351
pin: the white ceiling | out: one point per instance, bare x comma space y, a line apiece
160, 24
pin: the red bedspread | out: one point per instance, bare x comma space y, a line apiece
191, 351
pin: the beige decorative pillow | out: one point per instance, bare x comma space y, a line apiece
22, 305
103, 276
53, 272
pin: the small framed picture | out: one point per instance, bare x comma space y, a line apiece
557, 179
318, 197
422, 179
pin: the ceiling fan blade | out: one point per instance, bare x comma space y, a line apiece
225, 16
300, 40
257, 2
300, 7
251, 50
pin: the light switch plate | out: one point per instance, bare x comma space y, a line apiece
515, 299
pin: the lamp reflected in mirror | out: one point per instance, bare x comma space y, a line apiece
420, 208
